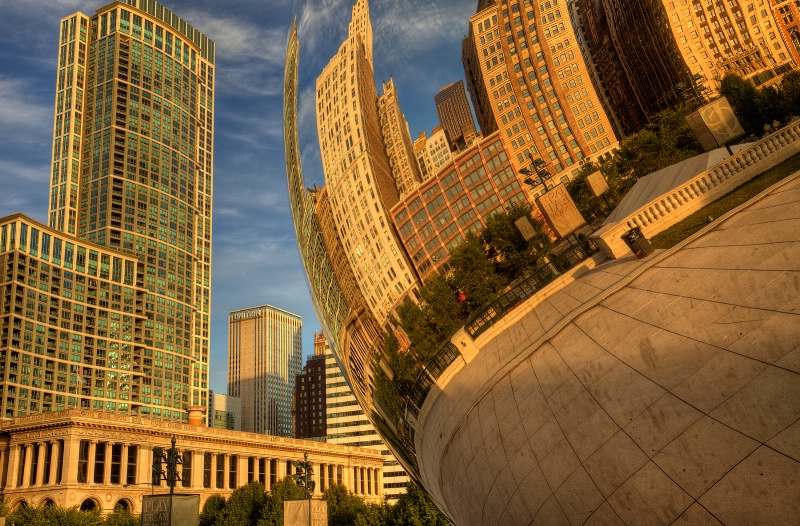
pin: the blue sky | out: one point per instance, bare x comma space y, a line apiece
255, 255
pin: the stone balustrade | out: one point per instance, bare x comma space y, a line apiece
708, 186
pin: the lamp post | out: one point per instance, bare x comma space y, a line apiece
537, 173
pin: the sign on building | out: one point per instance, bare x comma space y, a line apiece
295, 512
185, 510
559, 211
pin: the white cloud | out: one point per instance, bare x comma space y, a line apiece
18, 111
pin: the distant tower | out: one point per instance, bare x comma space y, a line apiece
397, 139
455, 115
308, 399
264, 355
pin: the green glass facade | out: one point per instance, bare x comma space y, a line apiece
131, 176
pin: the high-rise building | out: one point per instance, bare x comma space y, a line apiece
729, 37
357, 170
437, 215
787, 17
525, 57
455, 115
308, 399
433, 153
397, 140
264, 355
347, 424
120, 316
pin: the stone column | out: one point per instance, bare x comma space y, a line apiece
214, 471
380, 482
144, 464
69, 460
321, 479
226, 471
13, 466
123, 464
26, 470
107, 464
355, 480
280, 472
40, 461
92, 457
54, 454
197, 469
241, 471
3, 471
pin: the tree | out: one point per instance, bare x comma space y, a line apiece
741, 95
213, 510
54, 516
415, 508
441, 306
245, 506
772, 105
285, 489
512, 254
474, 273
122, 517
344, 508
790, 90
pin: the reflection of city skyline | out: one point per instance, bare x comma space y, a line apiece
528, 79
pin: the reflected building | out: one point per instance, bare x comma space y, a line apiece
358, 174
455, 116
527, 79
437, 216
397, 141
433, 153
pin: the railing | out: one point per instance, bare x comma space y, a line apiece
480, 321
486, 317
431, 372
678, 203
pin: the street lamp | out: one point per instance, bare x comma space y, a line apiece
537, 173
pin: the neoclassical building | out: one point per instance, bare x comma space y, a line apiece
103, 460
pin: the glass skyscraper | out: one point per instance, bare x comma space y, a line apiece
112, 300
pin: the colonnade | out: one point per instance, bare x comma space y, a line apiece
99, 462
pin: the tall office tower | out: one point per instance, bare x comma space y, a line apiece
526, 56
127, 254
728, 36
264, 355
397, 140
433, 153
348, 426
357, 172
787, 16
455, 116
308, 399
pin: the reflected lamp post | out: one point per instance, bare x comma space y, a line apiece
537, 173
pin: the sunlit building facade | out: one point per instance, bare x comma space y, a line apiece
357, 170
265, 352
729, 36
525, 57
787, 17
455, 115
432, 152
348, 425
119, 320
437, 216
397, 140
